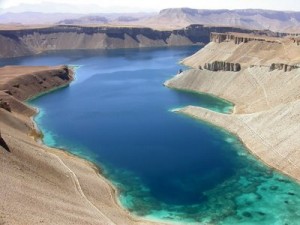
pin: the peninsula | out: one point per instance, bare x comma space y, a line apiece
42, 184
260, 75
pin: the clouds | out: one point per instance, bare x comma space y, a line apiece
155, 5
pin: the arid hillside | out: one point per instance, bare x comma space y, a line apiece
41, 184
260, 75
22, 41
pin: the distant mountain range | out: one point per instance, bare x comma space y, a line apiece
112, 19
27, 18
246, 18
171, 18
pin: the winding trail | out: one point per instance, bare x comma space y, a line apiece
80, 191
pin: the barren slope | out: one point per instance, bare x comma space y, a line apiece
30, 40
266, 96
41, 185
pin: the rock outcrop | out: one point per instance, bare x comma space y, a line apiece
238, 38
19, 83
3, 144
296, 40
222, 66
265, 93
252, 50
5, 105
32, 82
284, 67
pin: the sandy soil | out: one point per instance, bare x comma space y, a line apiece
267, 103
42, 185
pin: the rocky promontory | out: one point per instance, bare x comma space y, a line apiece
42, 185
238, 38
222, 66
265, 92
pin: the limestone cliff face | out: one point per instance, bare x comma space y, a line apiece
31, 41
248, 50
265, 93
222, 66
243, 38
284, 67
15, 43
33, 83
19, 83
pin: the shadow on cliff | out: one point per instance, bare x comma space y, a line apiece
3, 144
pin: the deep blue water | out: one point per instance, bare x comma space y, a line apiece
167, 166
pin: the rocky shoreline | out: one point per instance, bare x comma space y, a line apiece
42, 184
46, 185
265, 94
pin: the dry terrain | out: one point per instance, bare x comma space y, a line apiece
41, 185
265, 92
18, 40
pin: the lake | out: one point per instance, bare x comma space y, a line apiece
167, 166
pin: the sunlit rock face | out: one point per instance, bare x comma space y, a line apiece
14, 43
222, 66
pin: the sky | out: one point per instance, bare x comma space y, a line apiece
108, 6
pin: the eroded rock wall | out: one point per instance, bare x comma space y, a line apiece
22, 42
32, 83
240, 38
265, 93
284, 67
222, 66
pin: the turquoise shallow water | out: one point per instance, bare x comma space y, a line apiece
166, 166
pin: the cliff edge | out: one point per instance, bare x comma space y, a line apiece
33, 40
265, 91
41, 184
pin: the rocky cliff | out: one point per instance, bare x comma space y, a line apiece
30, 41
222, 66
238, 38
265, 93
19, 83
22, 82
40, 184
274, 53
284, 67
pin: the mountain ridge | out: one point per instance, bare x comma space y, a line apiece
284, 21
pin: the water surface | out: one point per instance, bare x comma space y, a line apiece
167, 166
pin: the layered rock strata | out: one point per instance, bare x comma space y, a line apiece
42, 185
284, 67
222, 66
265, 93
28, 41
241, 38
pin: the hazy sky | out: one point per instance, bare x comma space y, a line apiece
144, 5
